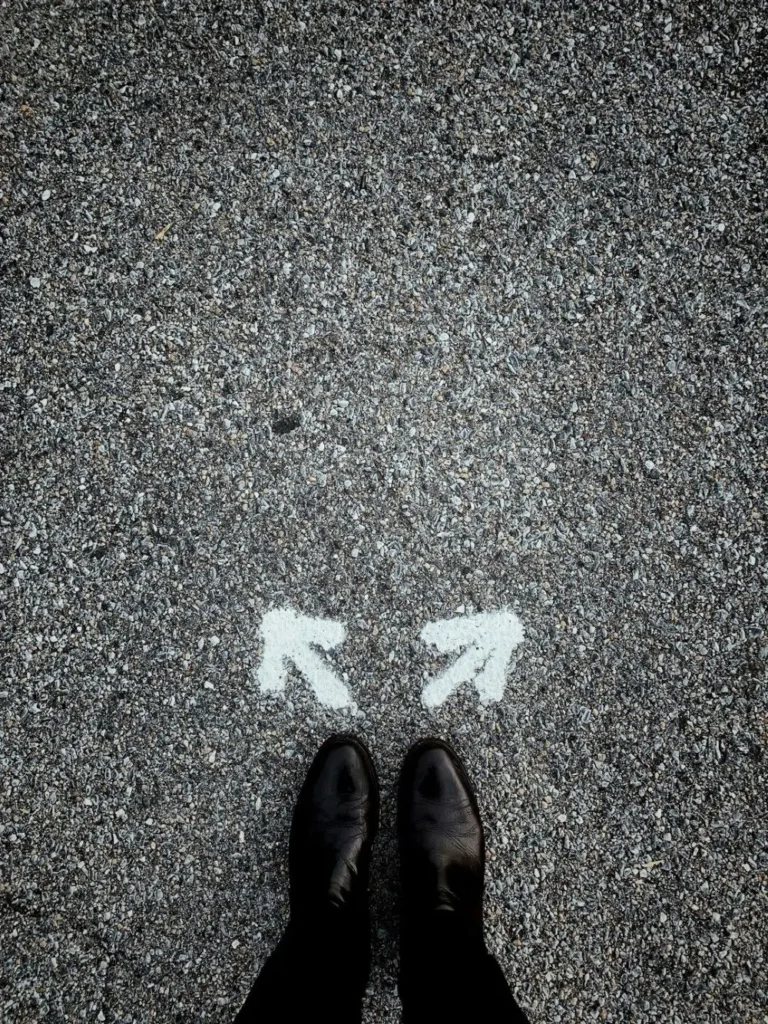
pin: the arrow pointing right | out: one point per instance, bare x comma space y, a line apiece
486, 641
290, 637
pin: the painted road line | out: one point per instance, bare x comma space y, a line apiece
291, 638
486, 641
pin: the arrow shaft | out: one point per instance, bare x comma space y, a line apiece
328, 688
463, 670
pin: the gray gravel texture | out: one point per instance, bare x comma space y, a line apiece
382, 311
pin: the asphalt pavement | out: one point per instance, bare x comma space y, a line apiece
384, 314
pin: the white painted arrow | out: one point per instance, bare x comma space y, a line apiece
486, 641
290, 637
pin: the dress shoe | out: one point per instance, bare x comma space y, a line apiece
333, 828
442, 851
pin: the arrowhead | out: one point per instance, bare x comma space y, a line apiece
290, 637
486, 641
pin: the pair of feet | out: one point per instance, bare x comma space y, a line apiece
440, 834
320, 968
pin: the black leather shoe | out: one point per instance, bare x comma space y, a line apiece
442, 850
333, 828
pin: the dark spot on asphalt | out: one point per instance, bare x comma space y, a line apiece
285, 424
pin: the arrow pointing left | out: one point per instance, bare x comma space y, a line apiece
290, 637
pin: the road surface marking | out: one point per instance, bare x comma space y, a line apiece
290, 637
486, 642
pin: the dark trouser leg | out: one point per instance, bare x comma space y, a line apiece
318, 972
448, 976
